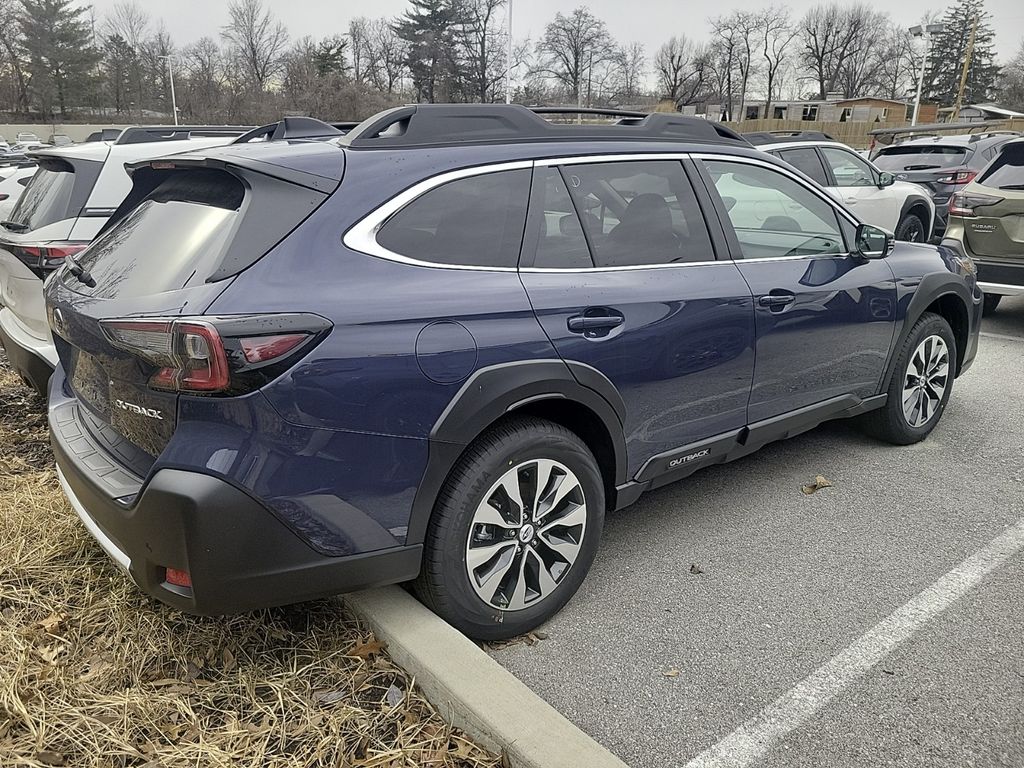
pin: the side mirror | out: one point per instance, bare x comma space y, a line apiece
874, 243
885, 179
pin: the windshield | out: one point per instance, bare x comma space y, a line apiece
1007, 170
931, 157
45, 200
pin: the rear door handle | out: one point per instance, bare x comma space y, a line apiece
776, 302
584, 323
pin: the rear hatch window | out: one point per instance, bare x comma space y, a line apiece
1007, 170
178, 235
47, 198
927, 158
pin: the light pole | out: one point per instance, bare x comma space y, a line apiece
508, 56
926, 31
170, 74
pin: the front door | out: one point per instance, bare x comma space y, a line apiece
856, 184
619, 265
824, 316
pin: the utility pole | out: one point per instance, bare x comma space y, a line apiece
174, 101
968, 55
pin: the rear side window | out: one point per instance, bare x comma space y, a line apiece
561, 243
46, 199
925, 158
806, 160
638, 213
477, 221
1007, 170
178, 233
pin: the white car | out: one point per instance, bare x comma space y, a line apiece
12, 183
903, 208
74, 191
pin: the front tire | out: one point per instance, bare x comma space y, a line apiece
920, 386
911, 229
514, 530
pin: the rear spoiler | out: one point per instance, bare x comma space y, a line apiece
296, 128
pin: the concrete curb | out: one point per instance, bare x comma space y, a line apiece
472, 690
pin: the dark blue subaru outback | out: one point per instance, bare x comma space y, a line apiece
438, 348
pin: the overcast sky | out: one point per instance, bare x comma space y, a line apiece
647, 21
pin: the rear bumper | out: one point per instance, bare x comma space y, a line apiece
1000, 278
239, 555
31, 358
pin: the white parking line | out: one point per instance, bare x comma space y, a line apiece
754, 738
1001, 336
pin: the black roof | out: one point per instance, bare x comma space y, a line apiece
429, 125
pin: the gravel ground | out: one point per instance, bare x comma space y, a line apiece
659, 663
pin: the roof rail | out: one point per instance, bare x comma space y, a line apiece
144, 134
758, 138
989, 134
446, 124
292, 128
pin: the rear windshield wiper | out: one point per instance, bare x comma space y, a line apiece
920, 167
14, 226
1012, 186
79, 271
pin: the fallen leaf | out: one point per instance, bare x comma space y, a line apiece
819, 483
47, 757
326, 698
540, 635
694, 568
365, 650
670, 672
394, 696
227, 660
52, 622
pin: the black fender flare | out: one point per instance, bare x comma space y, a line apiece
494, 391
913, 200
933, 286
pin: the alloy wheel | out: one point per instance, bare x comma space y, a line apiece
925, 382
526, 534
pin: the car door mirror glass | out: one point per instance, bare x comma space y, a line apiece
886, 179
873, 243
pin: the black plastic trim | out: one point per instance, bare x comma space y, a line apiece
240, 556
913, 201
27, 363
491, 393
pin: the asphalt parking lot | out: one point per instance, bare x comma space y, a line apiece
851, 627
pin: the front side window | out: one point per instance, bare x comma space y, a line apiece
638, 213
772, 214
848, 169
806, 160
475, 221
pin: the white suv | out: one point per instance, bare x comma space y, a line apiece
903, 208
72, 194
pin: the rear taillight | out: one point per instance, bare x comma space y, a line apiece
45, 257
223, 355
3, 195
964, 203
960, 177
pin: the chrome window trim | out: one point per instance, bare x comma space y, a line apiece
626, 267
362, 236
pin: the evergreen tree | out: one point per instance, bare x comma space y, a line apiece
432, 29
948, 50
57, 38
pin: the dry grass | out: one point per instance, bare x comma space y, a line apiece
93, 673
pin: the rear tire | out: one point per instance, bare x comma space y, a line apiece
911, 229
991, 302
488, 569
920, 386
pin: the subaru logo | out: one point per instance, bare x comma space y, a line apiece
901, 177
59, 324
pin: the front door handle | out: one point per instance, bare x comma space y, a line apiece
584, 323
776, 302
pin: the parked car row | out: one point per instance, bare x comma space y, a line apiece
439, 346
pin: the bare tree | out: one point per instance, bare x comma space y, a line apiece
386, 53
571, 48
483, 37
682, 69
1011, 81
776, 35
257, 39
736, 37
631, 70
832, 37
9, 53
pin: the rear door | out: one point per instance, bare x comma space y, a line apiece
996, 230
622, 272
824, 317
